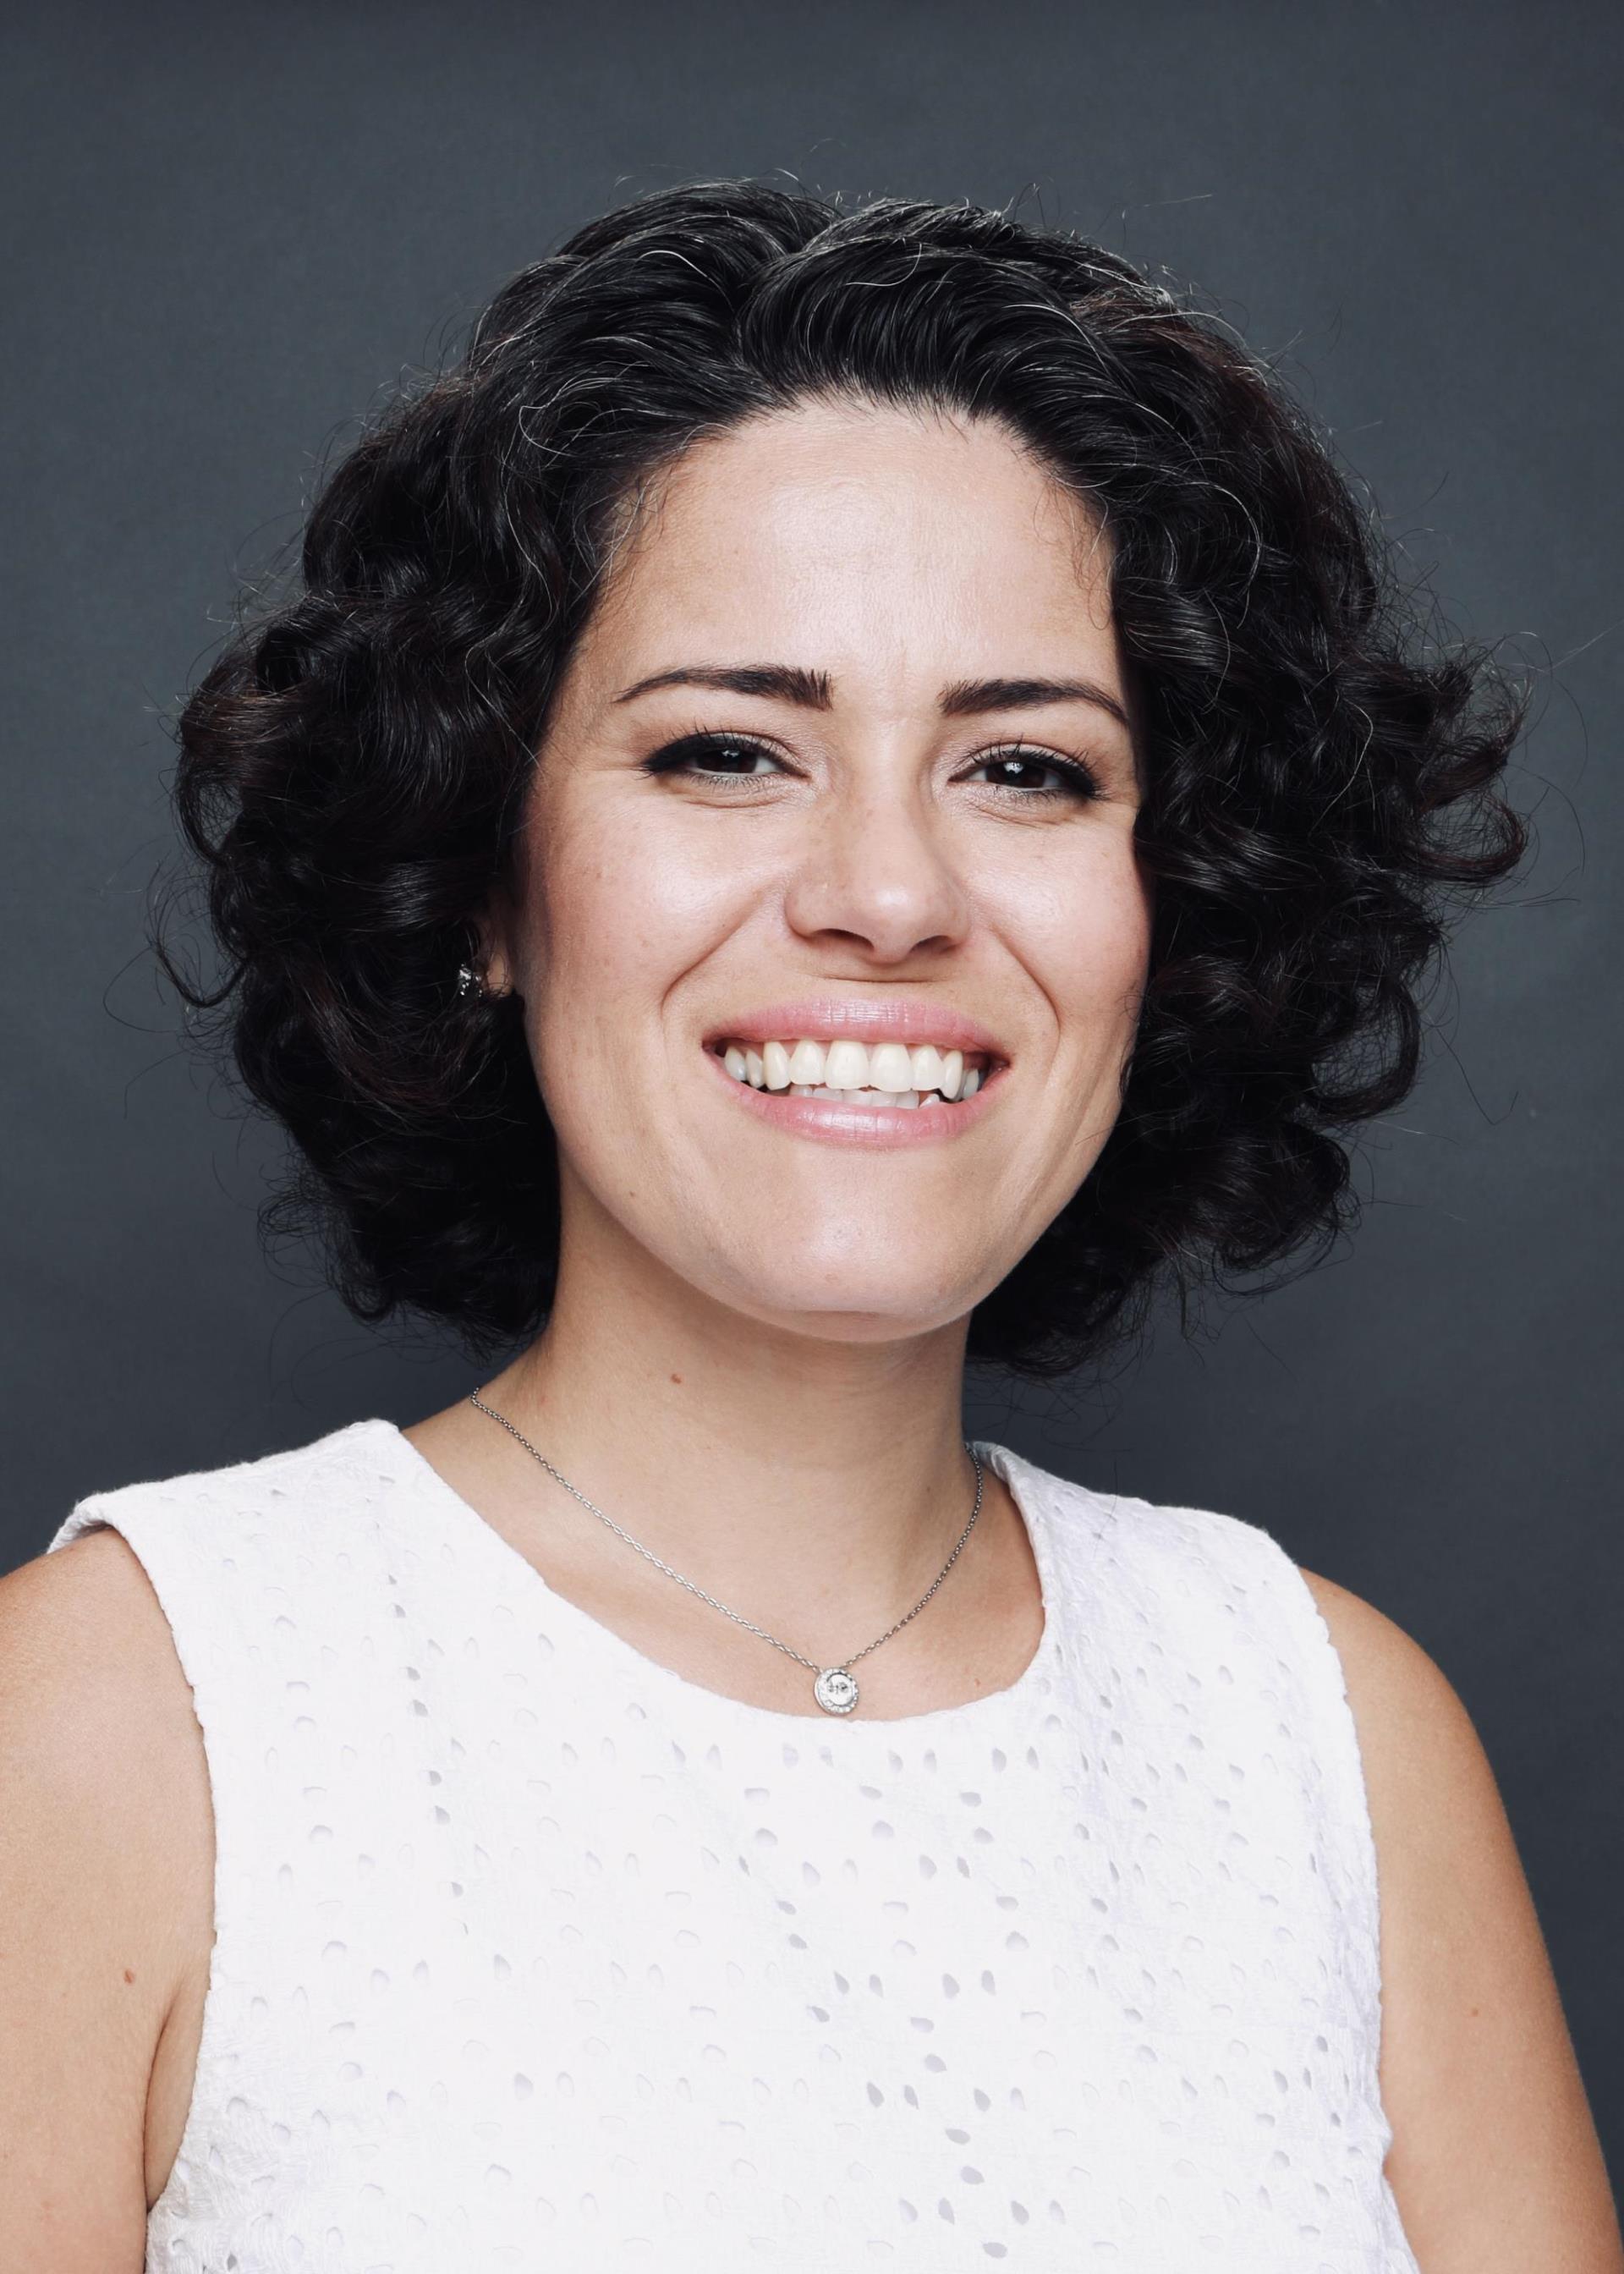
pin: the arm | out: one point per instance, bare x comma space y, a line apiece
100, 1769
1495, 2163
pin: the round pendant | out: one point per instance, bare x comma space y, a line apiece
835, 1690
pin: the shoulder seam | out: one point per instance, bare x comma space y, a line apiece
95, 1506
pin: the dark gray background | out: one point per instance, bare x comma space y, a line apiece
234, 225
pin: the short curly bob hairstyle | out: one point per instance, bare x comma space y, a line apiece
353, 765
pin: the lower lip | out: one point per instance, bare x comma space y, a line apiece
880, 1125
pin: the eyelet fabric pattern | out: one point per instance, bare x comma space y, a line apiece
531, 1954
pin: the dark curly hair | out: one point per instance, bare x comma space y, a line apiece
353, 765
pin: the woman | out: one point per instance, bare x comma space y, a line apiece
849, 791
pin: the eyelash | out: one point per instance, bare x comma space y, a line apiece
1080, 782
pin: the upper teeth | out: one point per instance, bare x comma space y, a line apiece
843, 1067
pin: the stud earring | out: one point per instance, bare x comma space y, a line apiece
470, 982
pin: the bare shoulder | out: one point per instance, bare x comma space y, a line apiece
90, 1684
1495, 2163
105, 1841
1407, 1712
85, 1653
98, 1576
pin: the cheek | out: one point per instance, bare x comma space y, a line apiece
1081, 928
625, 909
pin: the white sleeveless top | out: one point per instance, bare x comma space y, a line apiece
531, 1954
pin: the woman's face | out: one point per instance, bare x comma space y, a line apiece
889, 835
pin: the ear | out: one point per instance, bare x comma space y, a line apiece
493, 930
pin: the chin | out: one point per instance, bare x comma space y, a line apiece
868, 1310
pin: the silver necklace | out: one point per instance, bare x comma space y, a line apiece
835, 1689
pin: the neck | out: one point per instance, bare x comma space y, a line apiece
816, 1485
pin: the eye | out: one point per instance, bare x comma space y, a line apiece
716, 757
1073, 779
710, 757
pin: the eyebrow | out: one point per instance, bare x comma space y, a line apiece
814, 690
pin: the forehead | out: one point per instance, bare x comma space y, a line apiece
862, 532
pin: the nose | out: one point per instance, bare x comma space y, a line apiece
875, 873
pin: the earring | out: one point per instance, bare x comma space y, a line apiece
470, 982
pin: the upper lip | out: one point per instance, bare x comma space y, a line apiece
909, 1020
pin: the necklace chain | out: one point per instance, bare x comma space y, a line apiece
835, 1690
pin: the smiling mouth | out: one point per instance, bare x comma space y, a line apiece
849, 1073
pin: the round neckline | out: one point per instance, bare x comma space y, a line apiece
1018, 1474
